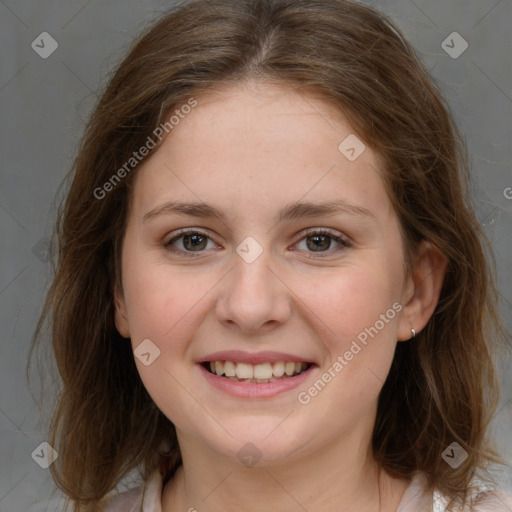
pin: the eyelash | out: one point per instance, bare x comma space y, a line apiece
344, 243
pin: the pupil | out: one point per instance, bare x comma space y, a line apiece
319, 238
196, 241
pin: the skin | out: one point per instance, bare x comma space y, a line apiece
250, 150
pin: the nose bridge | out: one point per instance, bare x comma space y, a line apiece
253, 296
252, 266
252, 278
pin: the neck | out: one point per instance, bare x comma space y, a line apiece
333, 478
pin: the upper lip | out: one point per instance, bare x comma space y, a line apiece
239, 356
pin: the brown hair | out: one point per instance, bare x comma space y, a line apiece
442, 387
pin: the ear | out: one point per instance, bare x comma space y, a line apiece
422, 290
120, 313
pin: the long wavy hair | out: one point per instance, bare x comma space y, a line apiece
442, 387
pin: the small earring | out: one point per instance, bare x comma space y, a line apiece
413, 333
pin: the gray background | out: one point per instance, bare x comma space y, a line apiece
44, 103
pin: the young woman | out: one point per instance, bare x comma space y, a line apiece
272, 292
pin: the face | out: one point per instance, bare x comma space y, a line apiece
267, 279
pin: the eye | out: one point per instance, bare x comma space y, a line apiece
317, 241
320, 240
191, 241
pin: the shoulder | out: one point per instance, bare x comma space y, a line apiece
495, 501
128, 501
143, 498
484, 498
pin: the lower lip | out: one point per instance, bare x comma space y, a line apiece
252, 389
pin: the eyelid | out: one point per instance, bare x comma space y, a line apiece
340, 238
323, 231
183, 232
187, 231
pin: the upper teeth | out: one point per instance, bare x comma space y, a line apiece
257, 371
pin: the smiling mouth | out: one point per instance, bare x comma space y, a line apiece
256, 373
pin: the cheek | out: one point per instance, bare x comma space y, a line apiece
162, 303
159, 297
361, 308
357, 311
351, 299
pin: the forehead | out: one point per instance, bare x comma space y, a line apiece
260, 146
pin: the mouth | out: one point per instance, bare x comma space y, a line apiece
262, 373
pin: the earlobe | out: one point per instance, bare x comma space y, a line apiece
423, 290
120, 314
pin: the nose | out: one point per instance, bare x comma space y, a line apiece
253, 297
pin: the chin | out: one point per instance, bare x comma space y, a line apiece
261, 445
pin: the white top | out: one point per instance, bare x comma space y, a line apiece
147, 498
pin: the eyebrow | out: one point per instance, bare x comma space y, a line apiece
291, 211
